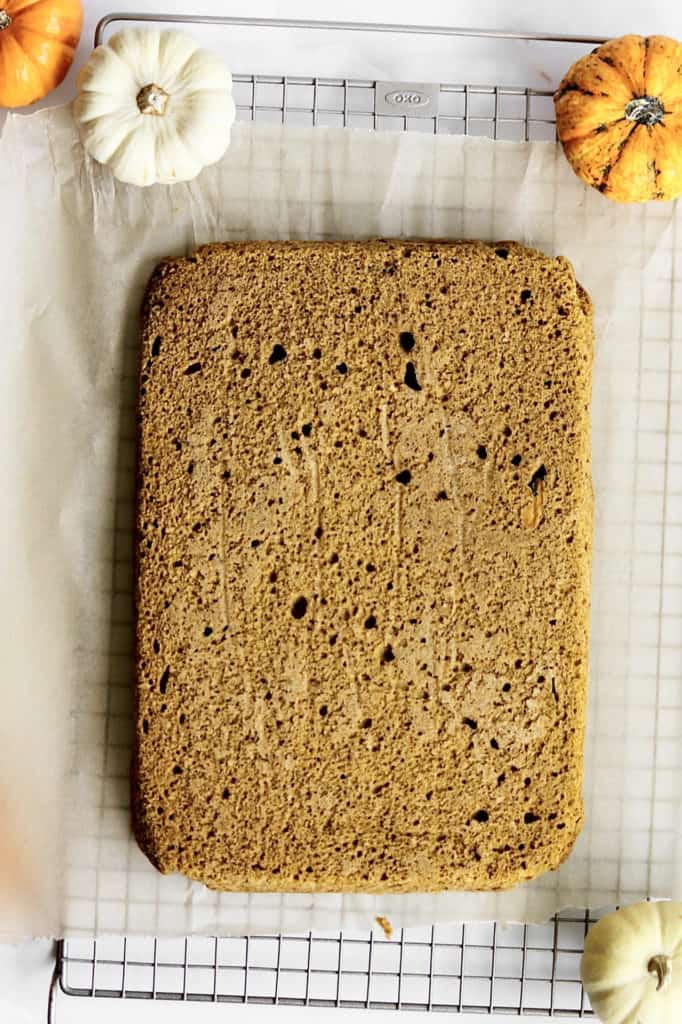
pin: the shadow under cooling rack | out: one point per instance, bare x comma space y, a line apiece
531, 969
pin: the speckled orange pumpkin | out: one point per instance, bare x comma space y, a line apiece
619, 118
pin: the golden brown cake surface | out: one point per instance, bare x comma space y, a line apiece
364, 530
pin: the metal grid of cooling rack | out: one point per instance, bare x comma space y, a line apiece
495, 112
485, 968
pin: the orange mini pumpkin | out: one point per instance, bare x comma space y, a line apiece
619, 118
38, 39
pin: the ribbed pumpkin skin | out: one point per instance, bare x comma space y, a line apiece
38, 40
619, 118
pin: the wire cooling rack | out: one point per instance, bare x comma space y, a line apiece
519, 969
485, 968
498, 112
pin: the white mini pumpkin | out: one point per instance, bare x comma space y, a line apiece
154, 106
632, 965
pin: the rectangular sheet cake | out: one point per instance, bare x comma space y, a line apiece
364, 529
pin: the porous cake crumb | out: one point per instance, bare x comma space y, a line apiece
363, 558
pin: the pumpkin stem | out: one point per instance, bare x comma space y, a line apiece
152, 99
661, 966
647, 110
5, 20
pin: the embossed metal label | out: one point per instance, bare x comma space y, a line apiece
415, 99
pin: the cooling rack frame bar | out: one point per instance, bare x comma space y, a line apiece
333, 26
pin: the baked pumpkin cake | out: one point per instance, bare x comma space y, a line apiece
363, 562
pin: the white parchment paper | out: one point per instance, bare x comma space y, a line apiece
78, 250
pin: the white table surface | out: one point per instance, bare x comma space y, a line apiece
25, 969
